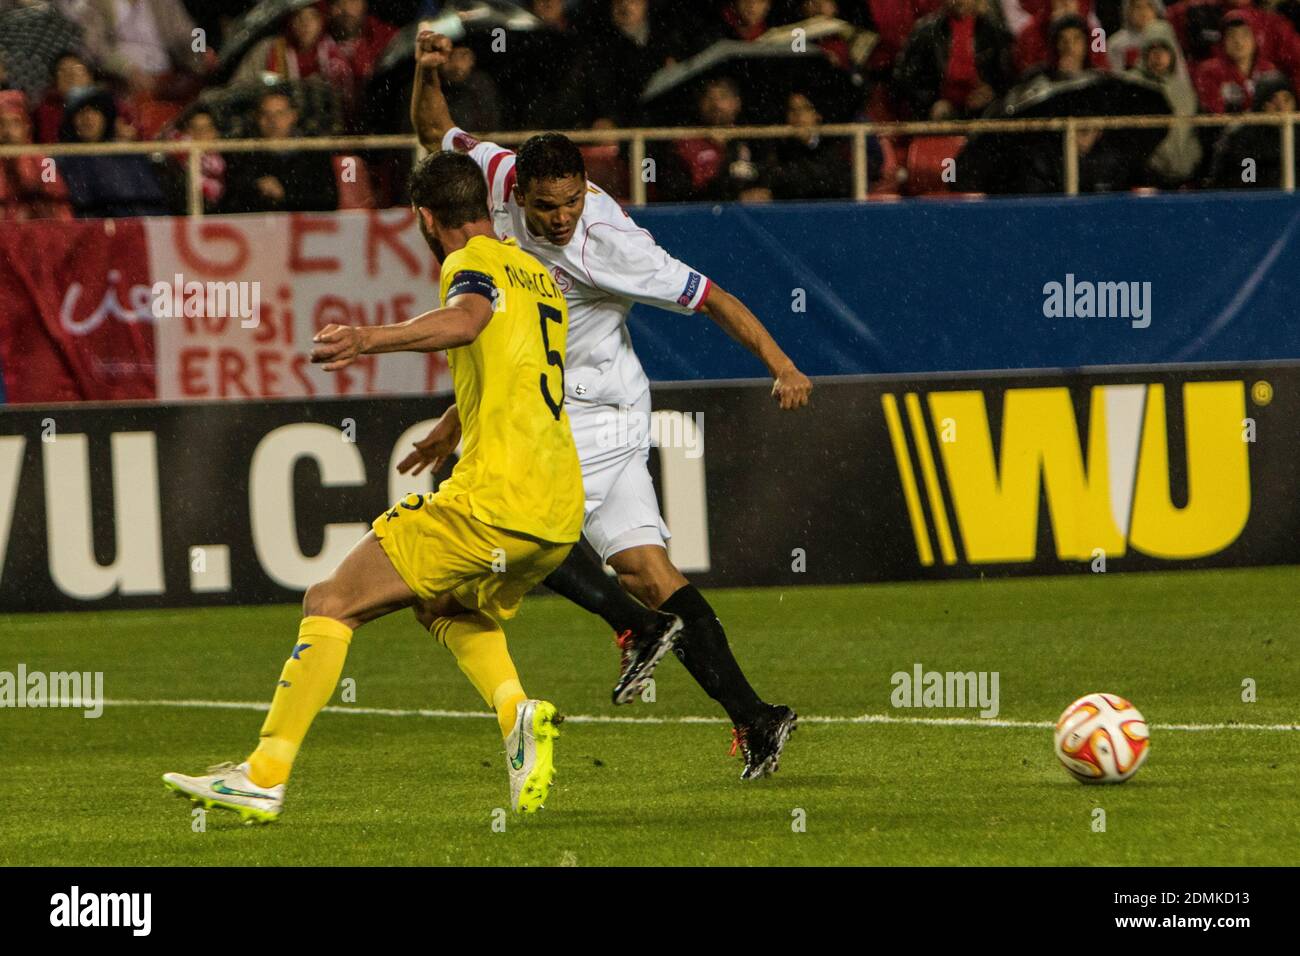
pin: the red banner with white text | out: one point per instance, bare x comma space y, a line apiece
221, 307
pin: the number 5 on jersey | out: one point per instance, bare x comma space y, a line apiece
549, 313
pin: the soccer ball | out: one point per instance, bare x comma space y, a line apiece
1102, 738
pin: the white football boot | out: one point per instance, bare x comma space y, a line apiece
227, 787
530, 754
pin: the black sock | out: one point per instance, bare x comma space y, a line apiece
704, 652
583, 581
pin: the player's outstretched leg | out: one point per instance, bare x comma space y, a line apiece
528, 726
644, 636
761, 729
363, 587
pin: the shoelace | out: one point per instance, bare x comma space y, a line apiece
737, 741
625, 645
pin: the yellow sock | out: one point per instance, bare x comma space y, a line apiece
479, 646
306, 685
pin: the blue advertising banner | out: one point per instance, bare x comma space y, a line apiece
960, 285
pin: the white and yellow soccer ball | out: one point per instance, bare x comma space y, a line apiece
1102, 738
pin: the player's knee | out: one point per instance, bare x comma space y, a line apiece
323, 599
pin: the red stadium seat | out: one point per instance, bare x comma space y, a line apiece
925, 159
355, 194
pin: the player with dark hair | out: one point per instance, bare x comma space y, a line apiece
467, 554
604, 263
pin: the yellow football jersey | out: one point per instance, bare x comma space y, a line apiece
518, 466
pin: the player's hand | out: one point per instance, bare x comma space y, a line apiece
432, 50
432, 450
791, 388
337, 346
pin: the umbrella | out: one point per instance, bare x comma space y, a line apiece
261, 21
388, 91
232, 106
30, 39
456, 21
1033, 162
766, 70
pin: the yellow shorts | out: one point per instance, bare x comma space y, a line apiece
438, 547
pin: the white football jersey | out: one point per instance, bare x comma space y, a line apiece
609, 264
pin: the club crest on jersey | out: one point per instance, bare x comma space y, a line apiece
563, 280
692, 286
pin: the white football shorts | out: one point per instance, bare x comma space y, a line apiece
613, 444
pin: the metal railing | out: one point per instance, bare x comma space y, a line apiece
638, 139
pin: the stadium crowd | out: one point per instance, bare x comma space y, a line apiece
102, 71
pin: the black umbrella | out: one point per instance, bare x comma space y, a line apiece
232, 106
471, 21
766, 70
1034, 162
457, 20
261, 21
30, 39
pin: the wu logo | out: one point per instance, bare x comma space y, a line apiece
1112, 490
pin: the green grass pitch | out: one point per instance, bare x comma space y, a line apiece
411, 789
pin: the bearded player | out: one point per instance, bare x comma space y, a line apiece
604, 263
503, 521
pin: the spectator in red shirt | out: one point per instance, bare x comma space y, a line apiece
1251, 156
1034, 46
1198, 24
956, 62
361, 37
892, 21
30, 186
836, 48
746, 19
302, 50
69, 72
1226, 83
709, 169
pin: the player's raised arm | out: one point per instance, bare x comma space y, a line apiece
430, 114
456, 324
790, 387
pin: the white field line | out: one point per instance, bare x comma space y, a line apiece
609, 719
